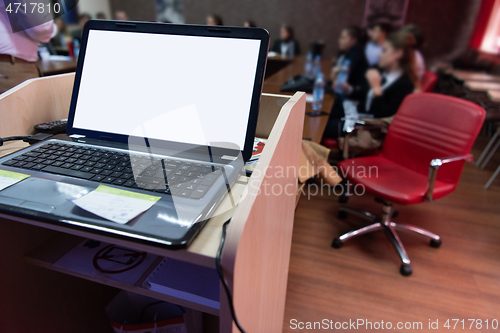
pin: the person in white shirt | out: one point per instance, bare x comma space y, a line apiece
378, 33
19, 51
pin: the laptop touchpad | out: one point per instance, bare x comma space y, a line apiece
41, 194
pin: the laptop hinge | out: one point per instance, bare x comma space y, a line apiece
78, 137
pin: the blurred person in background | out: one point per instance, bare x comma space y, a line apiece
286, 45
60, 41
377, 34
249, 24
351, 62
214, 19
100, 16
77, 33
419, 42
386, 87
121, 15
19, 51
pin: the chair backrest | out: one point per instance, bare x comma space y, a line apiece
429, 126
428, 81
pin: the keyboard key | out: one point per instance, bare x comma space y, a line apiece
67, 165
127, 175
184, 193
116, 174
188, 186
106, 172
9, 163
76, 167
119, 182
199, 192
108, 180
20, 158
129, 183
57, 164
209, 179
97, 178
96, 170
68, 172
87, 168
99, 165
31, 154
28, 165
38, 167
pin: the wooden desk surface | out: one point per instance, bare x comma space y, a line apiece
313, 126
50, 67
482, 85
473, 76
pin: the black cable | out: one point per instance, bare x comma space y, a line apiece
31, 139
221, 276
12, 138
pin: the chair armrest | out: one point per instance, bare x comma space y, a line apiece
433, 170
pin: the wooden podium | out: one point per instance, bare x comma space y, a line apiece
256, 254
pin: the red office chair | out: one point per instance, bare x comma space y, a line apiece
429, 132
428, 81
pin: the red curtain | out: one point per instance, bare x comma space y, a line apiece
481, 23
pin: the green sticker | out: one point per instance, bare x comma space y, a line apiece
123, 193
13, 175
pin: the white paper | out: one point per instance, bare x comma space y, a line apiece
116, 205
8, 178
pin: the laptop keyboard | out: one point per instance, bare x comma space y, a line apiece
162, 175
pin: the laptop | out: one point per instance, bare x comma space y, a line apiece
160, 109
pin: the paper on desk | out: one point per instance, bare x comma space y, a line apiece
8, 178
116, 205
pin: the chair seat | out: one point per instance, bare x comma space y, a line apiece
390, 181
330, 143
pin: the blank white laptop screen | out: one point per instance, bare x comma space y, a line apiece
188, 89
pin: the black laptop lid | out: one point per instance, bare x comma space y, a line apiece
182, 86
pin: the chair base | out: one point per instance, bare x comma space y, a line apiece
384, 223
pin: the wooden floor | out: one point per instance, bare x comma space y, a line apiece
460, 280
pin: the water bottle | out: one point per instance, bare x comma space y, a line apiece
44, 52
317, 65
309, 69
342, 75
318, 93
76, 47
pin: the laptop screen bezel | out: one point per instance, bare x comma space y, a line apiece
185, 30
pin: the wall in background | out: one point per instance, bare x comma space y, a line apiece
143, 10
447, 23
93, 7
312, 20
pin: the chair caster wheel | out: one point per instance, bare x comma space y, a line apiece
405, 270
395, 214
342, 214
337, 243
343, 199
435, 243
